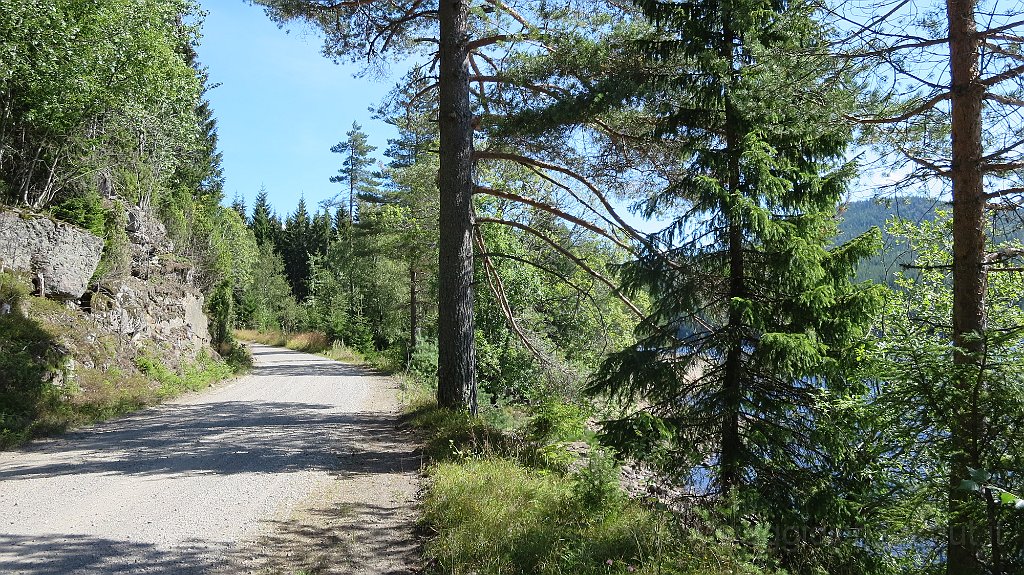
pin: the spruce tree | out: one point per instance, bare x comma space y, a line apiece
296, 249
262, 222
754, 314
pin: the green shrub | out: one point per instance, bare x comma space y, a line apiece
423, 362
116, 258
13, 289
221, 309
84, 210
192, 377
557, 420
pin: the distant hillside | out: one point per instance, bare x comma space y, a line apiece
860, 216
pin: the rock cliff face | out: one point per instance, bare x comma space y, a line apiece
156, 303
152, 306
62, 256
156, 311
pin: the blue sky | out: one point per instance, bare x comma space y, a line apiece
281, 105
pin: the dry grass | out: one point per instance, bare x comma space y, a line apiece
307, 342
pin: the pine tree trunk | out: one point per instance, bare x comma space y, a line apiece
456, 387
968, 275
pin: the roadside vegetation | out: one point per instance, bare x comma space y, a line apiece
58, 373
531, 491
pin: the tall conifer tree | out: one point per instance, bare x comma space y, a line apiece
753, 311
262, 222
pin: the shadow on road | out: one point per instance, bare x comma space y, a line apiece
62, 554
223, 438
343, 539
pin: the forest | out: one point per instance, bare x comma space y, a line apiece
767, 252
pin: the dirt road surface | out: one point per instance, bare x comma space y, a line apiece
299, 467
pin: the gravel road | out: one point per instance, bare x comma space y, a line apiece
299, 467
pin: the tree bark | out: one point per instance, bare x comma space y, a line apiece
963, 547
456, 388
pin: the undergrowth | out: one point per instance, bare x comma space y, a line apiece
506, 496
192, 377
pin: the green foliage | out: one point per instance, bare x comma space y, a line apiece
115, 261
13, 289
95, 88
914, 395
191, 377
26, 358
495, 512
219, 308
554, 420
423, 362
266, 300
83, 210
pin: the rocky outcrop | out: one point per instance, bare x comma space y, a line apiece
58, 255
152, 303
161, 311
156, 303
149, 243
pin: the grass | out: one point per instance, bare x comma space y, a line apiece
495, 515
499, 503
513, 500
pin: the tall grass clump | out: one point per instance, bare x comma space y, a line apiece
494, 515
514, 501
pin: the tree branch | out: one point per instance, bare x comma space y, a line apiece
1004, 75
1003, 193
544, 269
927, 104
553, 210
490, 155
1002, 167
565, 252
491, 40
498, 289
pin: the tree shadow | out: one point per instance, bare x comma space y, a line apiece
345, 538
60, 554
222, 438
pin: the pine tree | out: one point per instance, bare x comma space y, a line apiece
359, 181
